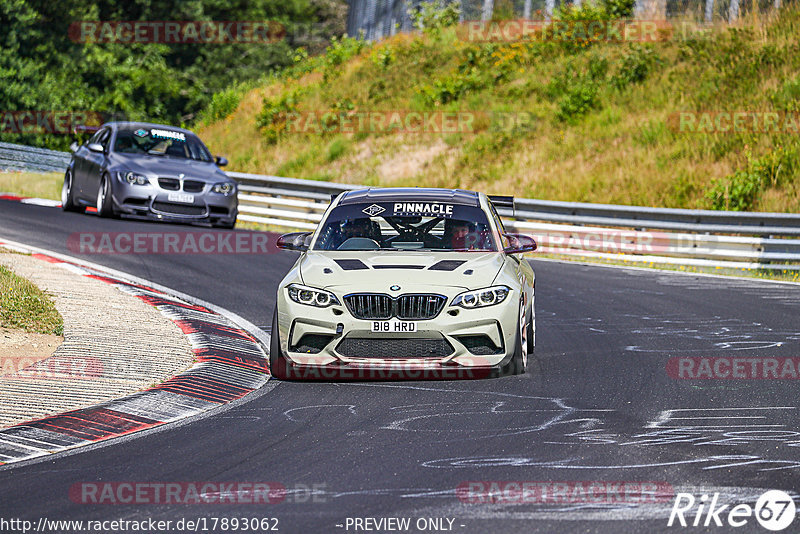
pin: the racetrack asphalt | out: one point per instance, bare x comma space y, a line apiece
597, 404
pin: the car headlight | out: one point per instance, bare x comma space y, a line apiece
133, 178
311, 296
225, 188
480, 298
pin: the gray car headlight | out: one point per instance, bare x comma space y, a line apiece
480, 298
133, 178
225, 188
311, 296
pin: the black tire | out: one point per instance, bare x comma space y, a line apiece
278, 363
104, 204
531, 334
67, 200
518, 362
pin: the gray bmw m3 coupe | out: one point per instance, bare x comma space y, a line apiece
149, 171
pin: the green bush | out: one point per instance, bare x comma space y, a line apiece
618, 9
272, 119
580, 98
635, 66
434, 15
222, 104
740, 191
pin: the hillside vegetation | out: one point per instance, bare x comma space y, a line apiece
46, 67
599, 118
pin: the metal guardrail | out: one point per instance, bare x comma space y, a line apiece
631, 233
25, 158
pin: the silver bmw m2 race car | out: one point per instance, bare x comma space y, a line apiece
405, 283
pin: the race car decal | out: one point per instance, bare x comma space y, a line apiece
373, 210
140, 133
423, 208
166, 134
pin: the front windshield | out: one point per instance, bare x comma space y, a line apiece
161, 142
411, 226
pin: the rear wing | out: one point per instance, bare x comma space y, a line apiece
81, 129
502, 201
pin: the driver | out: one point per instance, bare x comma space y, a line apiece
460, 234
361, 227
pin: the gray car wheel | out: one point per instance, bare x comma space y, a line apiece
104, 203
67, 202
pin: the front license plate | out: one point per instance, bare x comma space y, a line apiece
394, 326
179, 197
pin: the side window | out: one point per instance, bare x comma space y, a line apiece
503, 239
496, 218
94, 138
105, 136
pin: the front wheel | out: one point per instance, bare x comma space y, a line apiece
105, 206
519, 361
67, 202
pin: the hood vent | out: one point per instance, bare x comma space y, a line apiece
398, 266
447, 265
351, 265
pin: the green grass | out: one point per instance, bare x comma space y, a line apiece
26, 307
31, 184
600, 129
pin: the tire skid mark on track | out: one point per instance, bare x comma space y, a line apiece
229, 364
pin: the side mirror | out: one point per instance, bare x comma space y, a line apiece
519, 243
74, 146
95, 147
221, 161
294, 241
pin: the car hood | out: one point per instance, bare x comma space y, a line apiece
377, 271
166, 166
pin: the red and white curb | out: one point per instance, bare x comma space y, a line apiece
30, 200
230, 363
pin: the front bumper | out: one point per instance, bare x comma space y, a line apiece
330, 343
151, 202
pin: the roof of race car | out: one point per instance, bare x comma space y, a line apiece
410, 194
135, 124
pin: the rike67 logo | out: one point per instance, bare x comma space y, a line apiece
774, 510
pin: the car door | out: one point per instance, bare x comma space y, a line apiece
95, 163
79, 167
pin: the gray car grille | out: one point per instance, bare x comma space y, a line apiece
178, 209
392, 348
380, 306
193, 186
170, 184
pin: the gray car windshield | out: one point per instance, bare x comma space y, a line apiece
161, 142
434, 227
